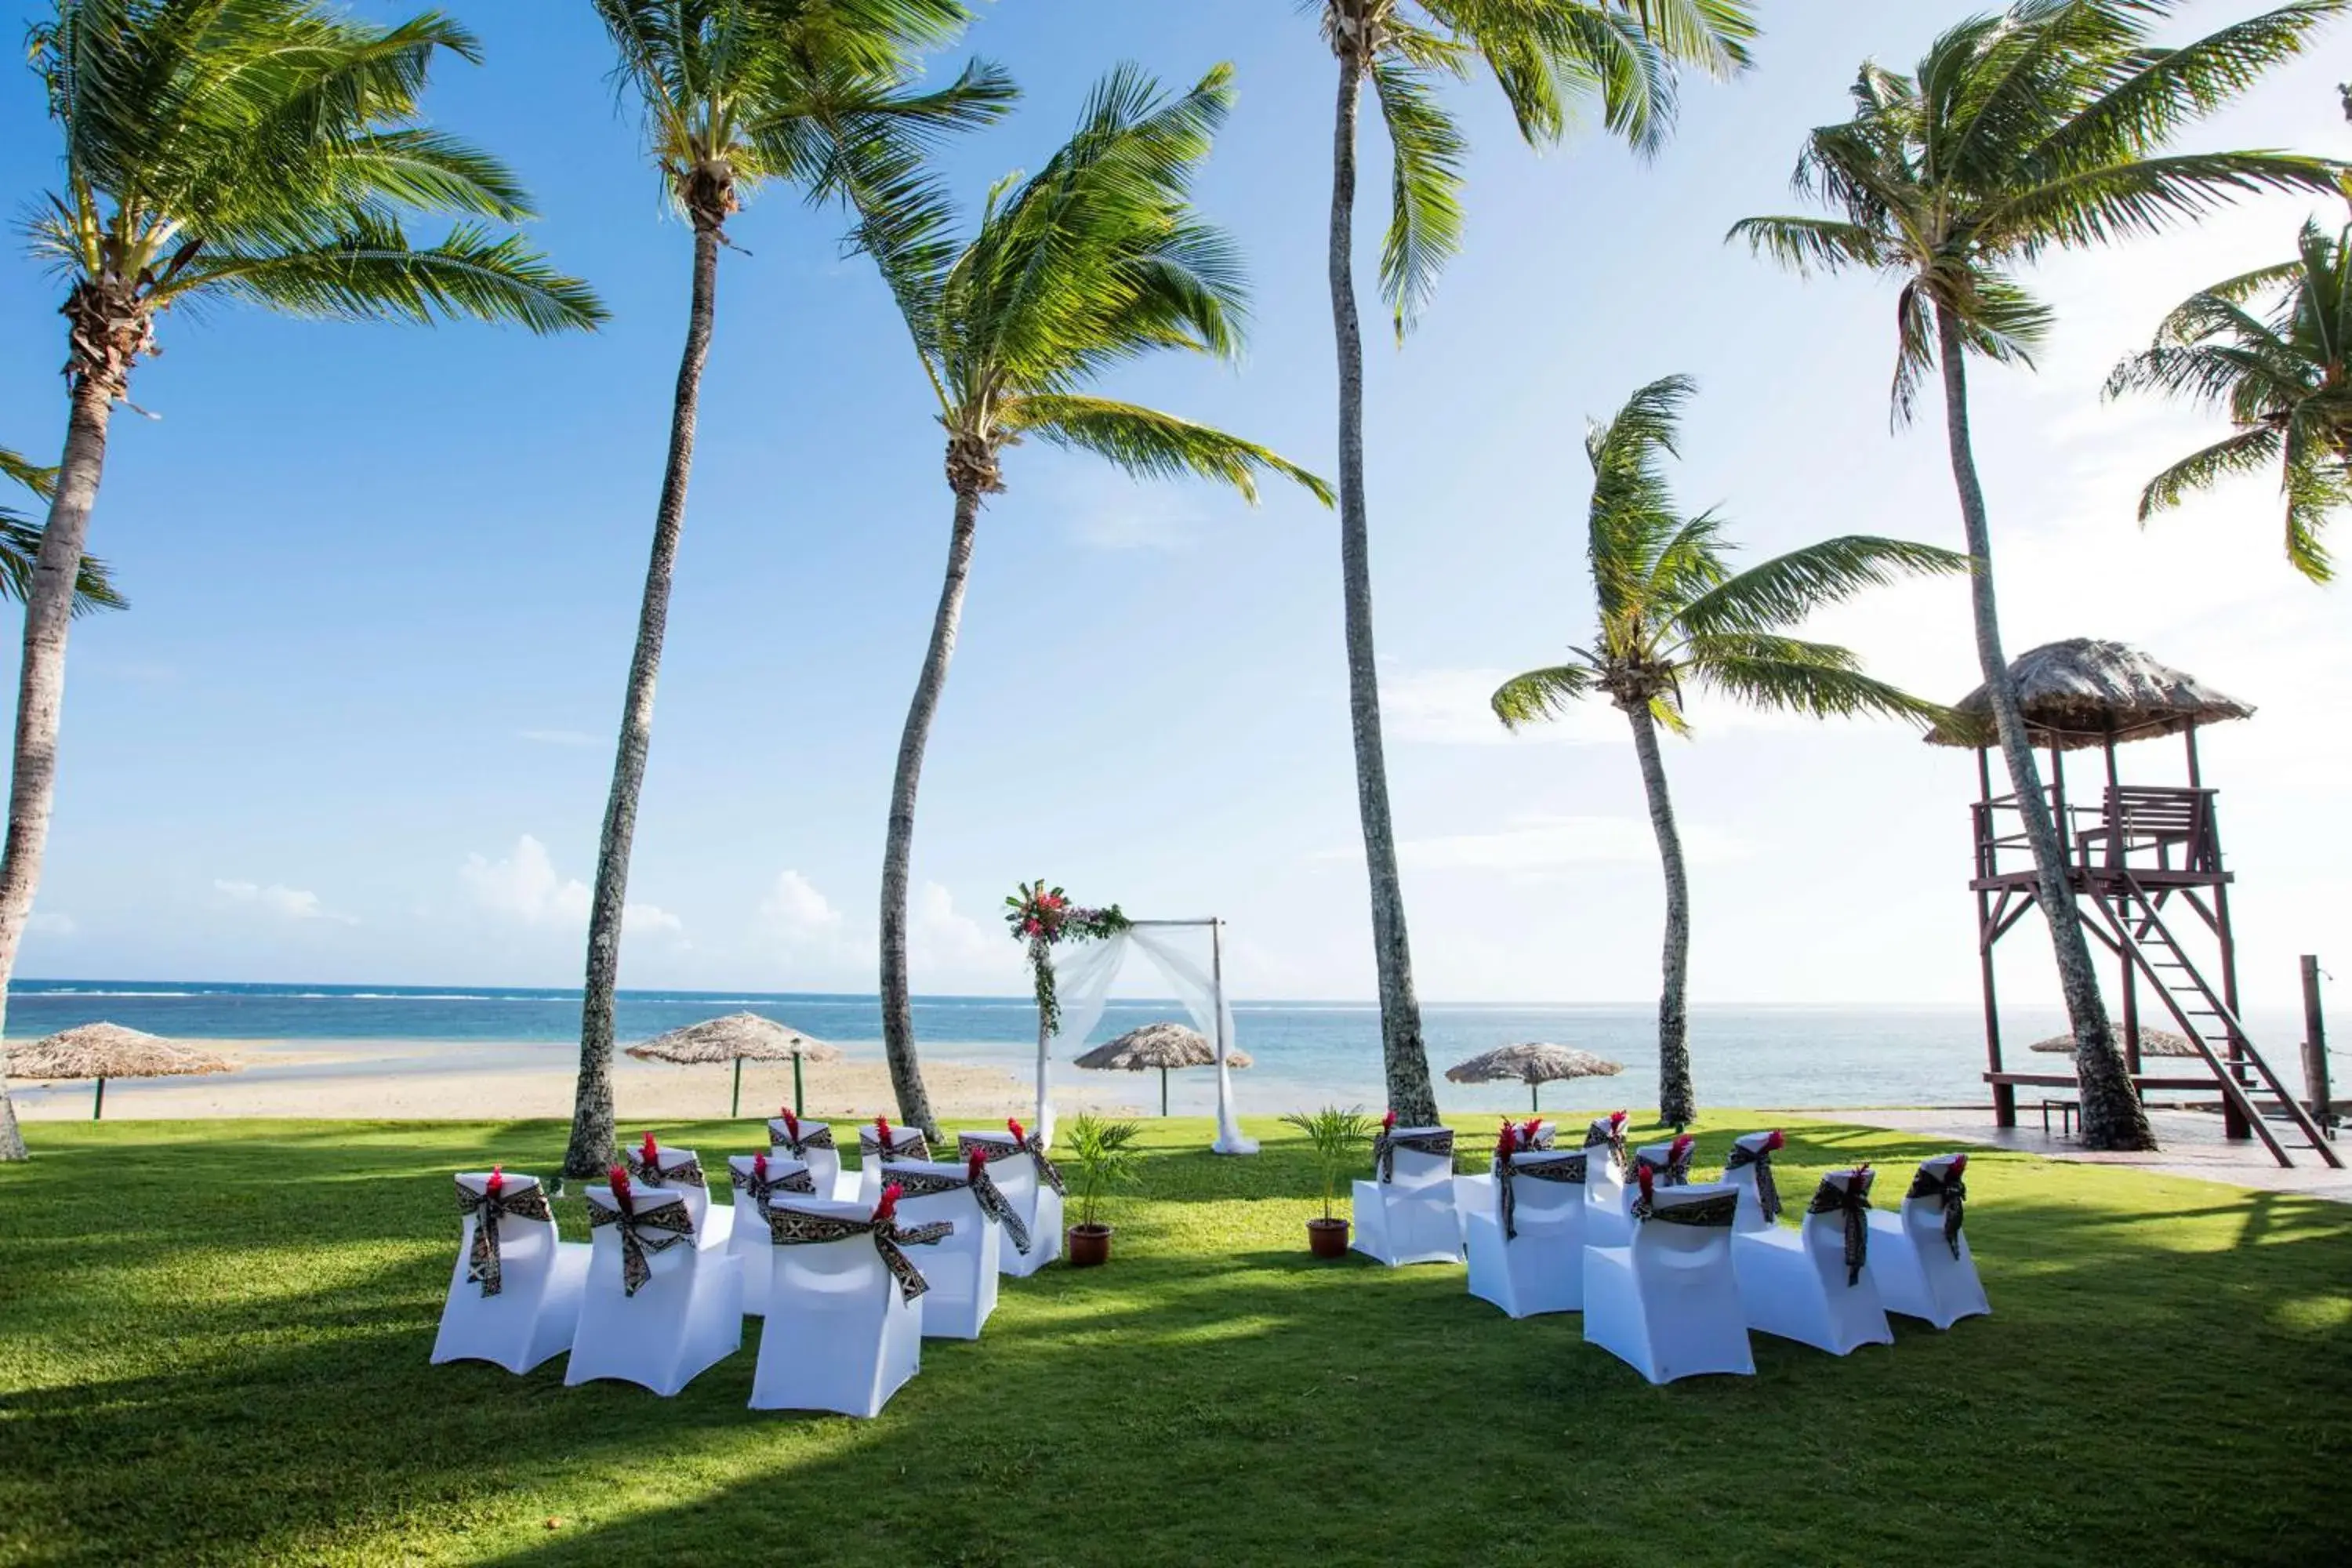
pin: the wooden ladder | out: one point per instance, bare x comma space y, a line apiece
2244, 1079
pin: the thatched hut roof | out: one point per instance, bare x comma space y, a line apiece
1534, 1062
109, 1050
738, 1037
2086, 691
2152, 1042
1163, 1045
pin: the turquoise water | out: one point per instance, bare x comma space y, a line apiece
1308, 1053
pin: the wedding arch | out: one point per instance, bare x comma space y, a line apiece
1076, 955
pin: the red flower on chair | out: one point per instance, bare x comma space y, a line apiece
619, 1177
497, 1183
649, 1156
1387, 1123
759, 1169
1775, 1140
882, 1132
1506, 1141
1647, 1178
1019, 1133
976, 1165
792, 1123
888, 1209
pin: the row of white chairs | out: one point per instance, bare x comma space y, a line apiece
659, 1293
1670, 1276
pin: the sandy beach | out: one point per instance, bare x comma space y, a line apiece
434, 1080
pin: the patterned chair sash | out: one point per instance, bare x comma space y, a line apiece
1607, 1132
1847, 1195
902, 1145
1436, 1140
1672, 1169
1715, 1209
1537, 1134
1554, 1167
1767, 1191
794, 1181
992, 1150
484, 1265
1949, 1187
797, 1228
685, 1172
992, 1201
780, 1132
644, 1229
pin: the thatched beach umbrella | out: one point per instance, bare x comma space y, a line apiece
1161, 1046
2152, 1042
1533, 1064
2085, 691
738, 1038
102, 1051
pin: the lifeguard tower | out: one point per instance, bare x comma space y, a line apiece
2145, 862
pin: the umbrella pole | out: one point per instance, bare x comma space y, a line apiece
1535, 1096
735, 1106
97, 1106
1163, 1092
796, 1085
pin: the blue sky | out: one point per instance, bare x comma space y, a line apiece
357, 725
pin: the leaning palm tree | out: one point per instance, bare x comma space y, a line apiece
20, 544
1547, 57
2035, 129
1674, 615
2283, 378
735, 93
1096, 261
260, 151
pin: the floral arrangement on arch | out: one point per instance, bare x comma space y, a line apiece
1041, 917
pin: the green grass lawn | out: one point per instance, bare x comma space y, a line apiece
213, 1342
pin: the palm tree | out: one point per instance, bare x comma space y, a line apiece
1673, 614
20, 544
1096, 261
2035, 129
735, 93
1546, 56
2283, 378
261, 151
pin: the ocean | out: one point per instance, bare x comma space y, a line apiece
1308, 1053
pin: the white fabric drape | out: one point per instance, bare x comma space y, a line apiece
1082, 976
1083, 973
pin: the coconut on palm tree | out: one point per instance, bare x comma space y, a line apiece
1095, 262
20, 544
266, 151
2285, 378
1547, 56
2042, 127
736, 93
1675, 616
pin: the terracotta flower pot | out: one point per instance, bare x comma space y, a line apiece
1087, 1245
1327, 1238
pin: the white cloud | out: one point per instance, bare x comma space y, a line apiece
1544, 841
49, 924
938, 937
556, 737
526, 888
650, 918
1448, 708
794, 910
288, 903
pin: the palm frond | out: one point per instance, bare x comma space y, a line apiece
2101, 204
1148, 444
1425, 202
1780, 593
2248, 451
373, 274
1541, 694
19, 470
20, 550
1808, 244
1818, 680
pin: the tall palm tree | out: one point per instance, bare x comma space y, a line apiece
1673, 614
20, 544
261, 151
2039, 129
1547, 56
2285, 378
735, 93
1097, 260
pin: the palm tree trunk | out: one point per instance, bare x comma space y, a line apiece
590, 1149
899, 847
1677, 1103
1406, 1058
2112, 1115
41, 690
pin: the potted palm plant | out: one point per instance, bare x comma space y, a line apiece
1105, 1157
1336, 1136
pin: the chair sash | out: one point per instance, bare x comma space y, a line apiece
992, 1201
1668, 1170
1767, 1191
1568, 1168
686, 1173
1849, 1197
794, 1181
870, 1147
1606, 1133
1716, 1209
992, 1150
1537, 1134
483, 1263
644, 1229
1439, 1140
780, 1132
1955, 1194
798, 1227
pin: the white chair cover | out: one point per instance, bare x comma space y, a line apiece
963, 1265
514, 1296
1032, 1184
906, 1143
660, 1309
1405, 1213
752, 1178
680, 1170
1608, 1221
816, 1146
1812, 1284
1920, 1255
1526, 1249
1668, 1303
1748, 1167
843, 1332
